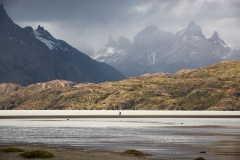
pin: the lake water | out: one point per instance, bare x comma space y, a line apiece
162, 137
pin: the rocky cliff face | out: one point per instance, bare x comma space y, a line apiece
30, 56
8, 88
154, 51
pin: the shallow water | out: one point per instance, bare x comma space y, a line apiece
161, 137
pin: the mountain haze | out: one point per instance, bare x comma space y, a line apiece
154, 50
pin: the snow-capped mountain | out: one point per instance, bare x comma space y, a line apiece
114, 51
154, 50
30, 56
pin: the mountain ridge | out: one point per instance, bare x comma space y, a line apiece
29, 56
154, 50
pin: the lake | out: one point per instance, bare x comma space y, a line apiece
161, 137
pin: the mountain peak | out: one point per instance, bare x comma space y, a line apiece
215, 35
111, 42
123, 43
1, 6
2, 10
40, 28
3, 14
150, 29
194, 30
191, 24
215, 39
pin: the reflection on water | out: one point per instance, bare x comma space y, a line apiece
162, 137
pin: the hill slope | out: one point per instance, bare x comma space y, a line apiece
29, 56
216, 87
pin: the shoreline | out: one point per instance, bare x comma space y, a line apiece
62, 152
115, 116
20, 114
67, 153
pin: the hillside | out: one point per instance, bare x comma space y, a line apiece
216, 87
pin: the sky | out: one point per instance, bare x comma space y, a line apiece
87, 24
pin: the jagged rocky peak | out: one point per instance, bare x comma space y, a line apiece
191, 24
111, 42
1, 7
149, 29
40, 28
215, 36
146, 34
123, 43
215, 39
194, 30
41, 32
3, 14
45, 37
2, 10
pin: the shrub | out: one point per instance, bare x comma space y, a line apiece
199, 158
12, 150
134, 152
37, 154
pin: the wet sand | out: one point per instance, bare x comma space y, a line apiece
230, 151
61, 153
226, 150
115, 116
16, 114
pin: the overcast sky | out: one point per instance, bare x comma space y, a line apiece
88, 23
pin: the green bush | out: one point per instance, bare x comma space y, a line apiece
134, 152
37, 154
199, 158
12, 150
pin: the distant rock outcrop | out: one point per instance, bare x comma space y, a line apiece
8, 88
51, 84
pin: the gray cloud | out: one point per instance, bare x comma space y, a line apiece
88, 23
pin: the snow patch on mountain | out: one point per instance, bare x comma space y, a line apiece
192, 54
48, 43
151, 57
110, 50
197, 38
110, 55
